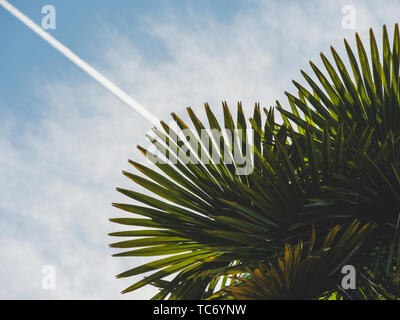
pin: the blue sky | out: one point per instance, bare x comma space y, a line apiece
64, 139
78, 26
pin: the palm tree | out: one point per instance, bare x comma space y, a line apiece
324, 192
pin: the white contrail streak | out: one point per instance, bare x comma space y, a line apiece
79, 62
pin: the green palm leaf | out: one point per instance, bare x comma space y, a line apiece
335, 158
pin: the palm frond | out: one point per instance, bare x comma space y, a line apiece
303, 272
335, 158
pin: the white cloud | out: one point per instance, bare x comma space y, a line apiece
58, 179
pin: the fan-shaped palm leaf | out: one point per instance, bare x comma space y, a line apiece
341, 162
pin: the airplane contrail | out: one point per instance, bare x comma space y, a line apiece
79, 62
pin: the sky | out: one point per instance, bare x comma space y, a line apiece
64, 139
